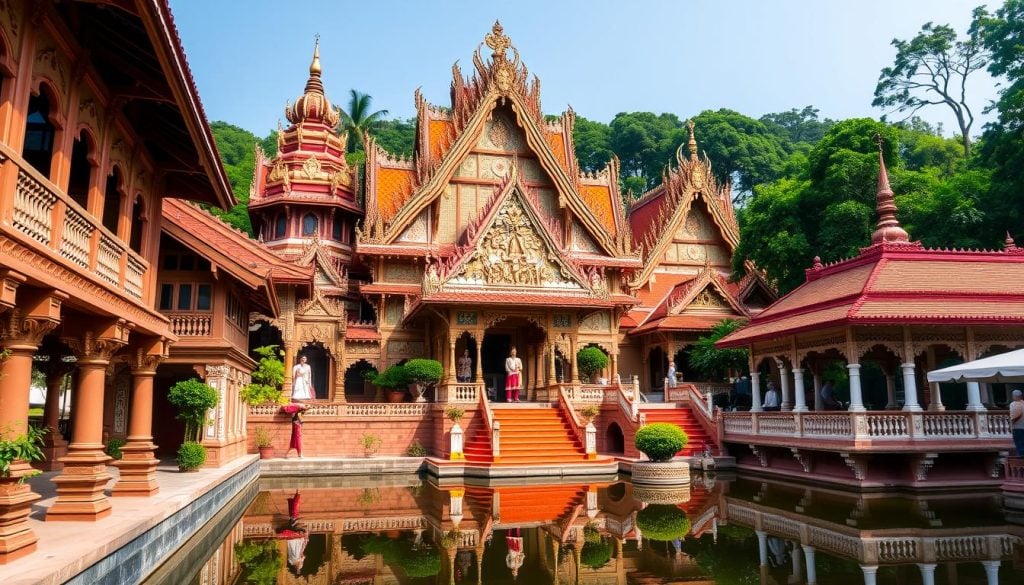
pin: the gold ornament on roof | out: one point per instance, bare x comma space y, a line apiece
498, 41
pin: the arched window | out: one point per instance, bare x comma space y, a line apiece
337, 229
39, 133
112, 201
81, 170
280, 226
138, 223
309, 224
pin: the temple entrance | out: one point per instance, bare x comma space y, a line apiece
658, 364
357, 388
320, 364
528, 339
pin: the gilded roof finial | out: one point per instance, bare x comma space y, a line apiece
497, 41
314, 67
888, 228
692, 143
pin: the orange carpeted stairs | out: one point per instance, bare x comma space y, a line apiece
683, 417
544, 503
529, 435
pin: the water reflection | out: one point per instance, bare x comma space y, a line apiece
609, 532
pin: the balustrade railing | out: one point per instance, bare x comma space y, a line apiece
1015, 470
55, 221
878, 426
460, 392
191, 324
350, 410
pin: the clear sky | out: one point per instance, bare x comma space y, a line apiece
600, 56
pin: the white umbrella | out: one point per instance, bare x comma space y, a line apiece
1005, 367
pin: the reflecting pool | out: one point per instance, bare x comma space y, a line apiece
725, 531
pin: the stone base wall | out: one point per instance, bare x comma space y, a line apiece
611, 413
218, 455
332, 437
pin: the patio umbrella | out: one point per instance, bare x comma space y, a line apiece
1005, 367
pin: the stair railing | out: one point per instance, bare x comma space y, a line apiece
630, 408
702, 406
492, 426
581, 430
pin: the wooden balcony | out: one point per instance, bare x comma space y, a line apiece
871, 431
56, 226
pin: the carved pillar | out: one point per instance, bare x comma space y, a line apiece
755, 391
23, 330
80, 487
615, 367
478, 371
890, 391
787, 394
927, 573
138, 465
797, 566
818, 404
870, 574
910, 388
991, 572
451, 360
56, 371
798, 390
974, 397
762, 547
551, 362
289, 363
856, 395
572, 356
812, 570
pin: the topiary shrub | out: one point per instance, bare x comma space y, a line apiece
259, 561
591, 360
191, 456
663, 522
193, 399
424, 371
114, 448
596, 554
392, 378
660, 441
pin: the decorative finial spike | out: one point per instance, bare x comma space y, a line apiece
888, 228
1010, 244
314, 67
817, 263
692, 142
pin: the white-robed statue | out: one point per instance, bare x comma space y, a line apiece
513, 376
302, 380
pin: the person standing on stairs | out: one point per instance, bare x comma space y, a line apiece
513, 376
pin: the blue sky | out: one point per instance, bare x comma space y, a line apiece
602, 57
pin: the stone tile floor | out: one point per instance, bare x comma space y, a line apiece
66, 548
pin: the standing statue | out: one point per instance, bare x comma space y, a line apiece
513, 375
302, 380
465, 370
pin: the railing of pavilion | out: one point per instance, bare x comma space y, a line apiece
912, 545
61, 227
1015, 470
566, 404
460, 392
492, 427
350, 410
876, 426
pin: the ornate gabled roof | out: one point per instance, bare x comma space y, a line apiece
707, 295
897, 282
655, 217
328, 270
444, 139
245, 259
310, 166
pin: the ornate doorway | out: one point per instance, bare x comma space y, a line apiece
320, 364
499, 339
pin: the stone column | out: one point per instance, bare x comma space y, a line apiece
551, 364
755, 391
927, 573
935, 400
289, 363
910, 388
54, 445
991, 572
787, 393
478, 371
818, 404
798, 390
762, 547
812, 571
138, 464
575, 366
856, 396
23, 329
797, 566
974, 397
890, 391
80, 487
451, 362
615, 368
870, 574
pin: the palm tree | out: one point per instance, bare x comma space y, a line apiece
358, 119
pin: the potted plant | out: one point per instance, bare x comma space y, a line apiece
263, 442
423, 373
660, 442
664, 522
394, 381
591, 360
371, 443
193, 399
267, 379
455, 414
588, 413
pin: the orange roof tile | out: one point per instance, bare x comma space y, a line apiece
438, 131
836, 286
683, 323
941, 309
793, 323
948, 276
556, 141
393, 189
598, 198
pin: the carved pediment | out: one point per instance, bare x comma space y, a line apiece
321, 306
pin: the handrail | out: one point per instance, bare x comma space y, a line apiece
628, 407
564, 403
704, 410
485, 405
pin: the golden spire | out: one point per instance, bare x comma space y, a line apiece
692, 142
888, 228
314, 85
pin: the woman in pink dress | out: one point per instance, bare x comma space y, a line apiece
513, 376
295, 442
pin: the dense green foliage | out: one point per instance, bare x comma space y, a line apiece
595, 554
416, 561
113, 448
259, 560
357, 119
423, 371
27, 447
266, 378
237, 152
663, 522
191, 456
193, 399
393, 378
714, 363
660, 441
591, 360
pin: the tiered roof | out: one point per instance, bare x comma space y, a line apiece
898, 282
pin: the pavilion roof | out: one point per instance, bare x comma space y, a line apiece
897, 282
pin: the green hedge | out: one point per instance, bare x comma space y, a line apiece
191, 455
663, 522
660, 441
595, 554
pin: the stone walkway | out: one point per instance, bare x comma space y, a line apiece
67, 548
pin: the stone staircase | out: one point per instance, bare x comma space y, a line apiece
538, 504
531, 434
682, 416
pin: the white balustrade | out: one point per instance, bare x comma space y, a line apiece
33, 209
827, 425
75, 237
999, 424
384, 523
777, 424
108, 258
888, 426
893, 550
949, 425
135, 270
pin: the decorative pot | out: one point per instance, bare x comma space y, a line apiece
420, 390
661, 495
396, 396
661, 473
266, 452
